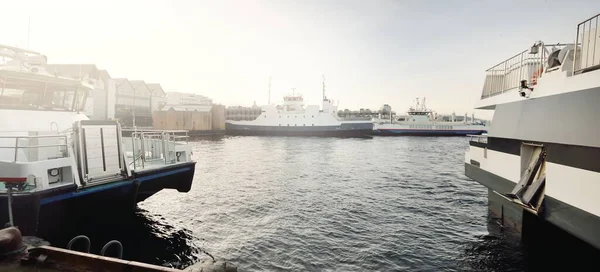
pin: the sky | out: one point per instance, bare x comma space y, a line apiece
370, 52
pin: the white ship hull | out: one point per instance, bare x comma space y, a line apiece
292, 119
432, 129
540, 159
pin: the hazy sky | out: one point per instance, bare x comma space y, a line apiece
371, 52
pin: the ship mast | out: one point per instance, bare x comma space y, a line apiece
269, 91
323, 87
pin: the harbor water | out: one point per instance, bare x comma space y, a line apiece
317, 204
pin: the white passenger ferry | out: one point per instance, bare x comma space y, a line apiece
55, 163
541, 155
421, 121
293, 119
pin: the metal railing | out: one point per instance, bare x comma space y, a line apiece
478, 138
354, 118
587, 37
16, 147
507, 75
152, 146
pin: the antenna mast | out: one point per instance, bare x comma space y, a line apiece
323, 87
269, 90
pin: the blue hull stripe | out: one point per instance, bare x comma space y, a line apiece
108, 186
164, 174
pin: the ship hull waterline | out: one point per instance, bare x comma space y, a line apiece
413, 132
362, 131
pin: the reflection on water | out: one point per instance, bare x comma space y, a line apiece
492, 253
146, 237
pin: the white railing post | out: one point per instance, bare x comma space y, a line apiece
521, 69
595, 44
504, 78
16, 147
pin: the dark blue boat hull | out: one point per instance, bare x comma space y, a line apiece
42, 213
343, 130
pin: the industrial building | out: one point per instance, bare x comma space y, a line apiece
195, 113
135, 103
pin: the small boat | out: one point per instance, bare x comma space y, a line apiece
421, 121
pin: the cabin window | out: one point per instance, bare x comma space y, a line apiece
303, 125
295, 116
313, 125
313, 116
279, 116
288, 116
265, 116
304, 116
288, 125
279, 124
295, 125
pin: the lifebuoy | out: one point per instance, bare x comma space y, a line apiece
535, 76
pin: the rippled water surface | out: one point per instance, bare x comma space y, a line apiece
331, 204
317, 204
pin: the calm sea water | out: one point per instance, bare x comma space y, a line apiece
319, 204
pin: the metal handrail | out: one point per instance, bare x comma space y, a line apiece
585, 48
79, 237
507, 75
355, 118
155, 130
110, 243
154, 145
17, 138
38, 136
36, 146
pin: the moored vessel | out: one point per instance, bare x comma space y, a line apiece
540, 156
421, 121
56, 164
293, 119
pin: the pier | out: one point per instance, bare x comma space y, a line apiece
18, 253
